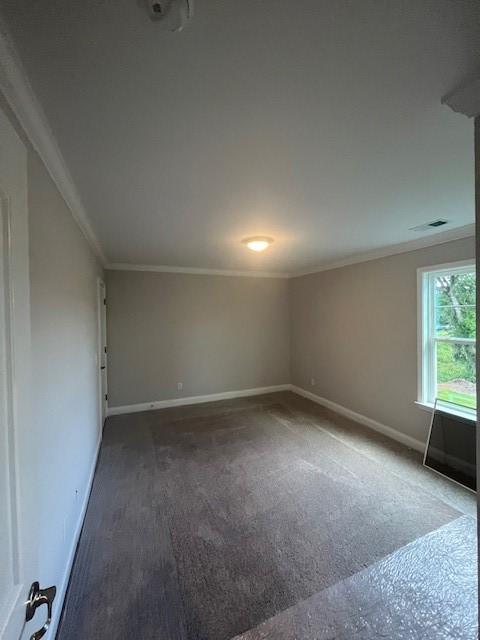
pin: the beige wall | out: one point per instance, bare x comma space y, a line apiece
65, 423
213, 333
354, 330
64, 426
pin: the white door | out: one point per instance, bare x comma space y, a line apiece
102, 349
20, 462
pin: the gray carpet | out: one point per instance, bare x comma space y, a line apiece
427, 590
206, 521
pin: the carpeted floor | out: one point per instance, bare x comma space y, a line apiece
205, 522
425, 590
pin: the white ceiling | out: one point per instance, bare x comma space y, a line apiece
316, 122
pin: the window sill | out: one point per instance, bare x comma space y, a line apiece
446, 408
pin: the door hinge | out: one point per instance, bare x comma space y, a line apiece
105, 349
106, 396
105, 301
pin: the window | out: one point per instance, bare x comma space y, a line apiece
447, 350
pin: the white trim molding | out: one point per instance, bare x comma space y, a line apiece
328, 404
179, 402
119, 266
427, 338
431, 240
19, 94
446, 408
440, 237
393, 434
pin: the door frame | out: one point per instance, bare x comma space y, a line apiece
102, 350
15, 333
7, 358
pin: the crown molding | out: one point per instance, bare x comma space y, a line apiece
119, 266
441, 237
19, 94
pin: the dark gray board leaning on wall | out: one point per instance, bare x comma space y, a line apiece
451, 447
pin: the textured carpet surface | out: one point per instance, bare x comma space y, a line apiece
206, 521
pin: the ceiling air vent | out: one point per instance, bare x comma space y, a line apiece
429, 225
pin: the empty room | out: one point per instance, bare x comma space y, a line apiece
238, 319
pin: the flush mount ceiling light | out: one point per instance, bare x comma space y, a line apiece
258, 243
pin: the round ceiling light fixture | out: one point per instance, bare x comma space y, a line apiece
258, 243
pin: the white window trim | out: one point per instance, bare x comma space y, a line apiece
424, 355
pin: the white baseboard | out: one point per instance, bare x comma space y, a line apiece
178, 402
62, 589
175, 402
226, 395
413, 443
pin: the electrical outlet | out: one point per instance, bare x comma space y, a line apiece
179, 386
313, 382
